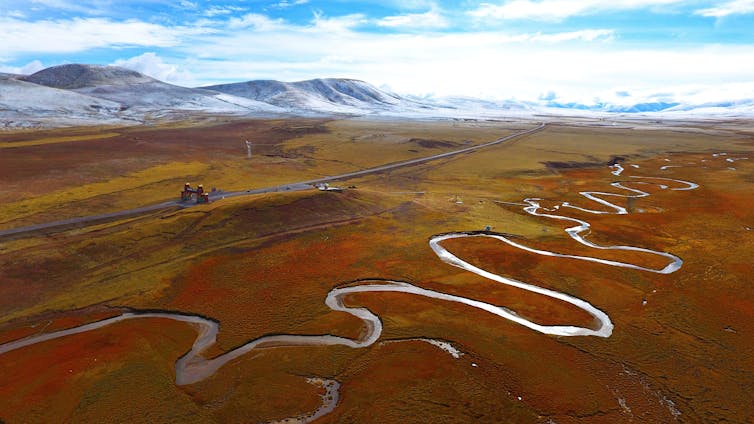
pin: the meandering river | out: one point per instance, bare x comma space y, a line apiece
193, 366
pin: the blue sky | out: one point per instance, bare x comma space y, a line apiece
619, 51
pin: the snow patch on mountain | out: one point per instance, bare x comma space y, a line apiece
328, 96
91, 94
24, 104
76, 76
120, 94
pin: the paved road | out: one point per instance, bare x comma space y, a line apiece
302, 185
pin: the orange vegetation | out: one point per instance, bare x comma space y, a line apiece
264, 265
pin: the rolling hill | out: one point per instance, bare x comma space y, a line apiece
78, 94
330, 95
140, 94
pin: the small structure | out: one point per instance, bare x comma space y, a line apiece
188, 193
327, 187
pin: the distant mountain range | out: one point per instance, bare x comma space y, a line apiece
326, 96
78, 94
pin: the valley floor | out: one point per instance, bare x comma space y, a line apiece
406, 298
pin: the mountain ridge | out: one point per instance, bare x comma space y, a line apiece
77, 76
343, 95
81, 94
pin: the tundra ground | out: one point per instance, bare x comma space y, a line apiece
262, 265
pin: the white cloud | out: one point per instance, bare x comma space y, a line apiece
222, 10
555, 10
152, 65
577, 65
29, 68
735, 7
559, 37
411, 4
284, 4
684, 93
549, 96
16, 14
429, 19
82, 7
32, 67
59, 4
320, 23
256, 21
80, 34
186, 4
338, 23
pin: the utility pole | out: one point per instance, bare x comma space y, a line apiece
248, 149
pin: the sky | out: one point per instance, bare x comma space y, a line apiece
584, 51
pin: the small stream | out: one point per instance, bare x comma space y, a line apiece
194, 367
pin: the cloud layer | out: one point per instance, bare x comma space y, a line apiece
564, 50
559, 9
735, 7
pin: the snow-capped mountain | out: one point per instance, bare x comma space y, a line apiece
4, 76
24, 104
77, 76
327, 96
138, 93
91, 94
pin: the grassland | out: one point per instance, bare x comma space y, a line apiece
85, 174
264, 265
